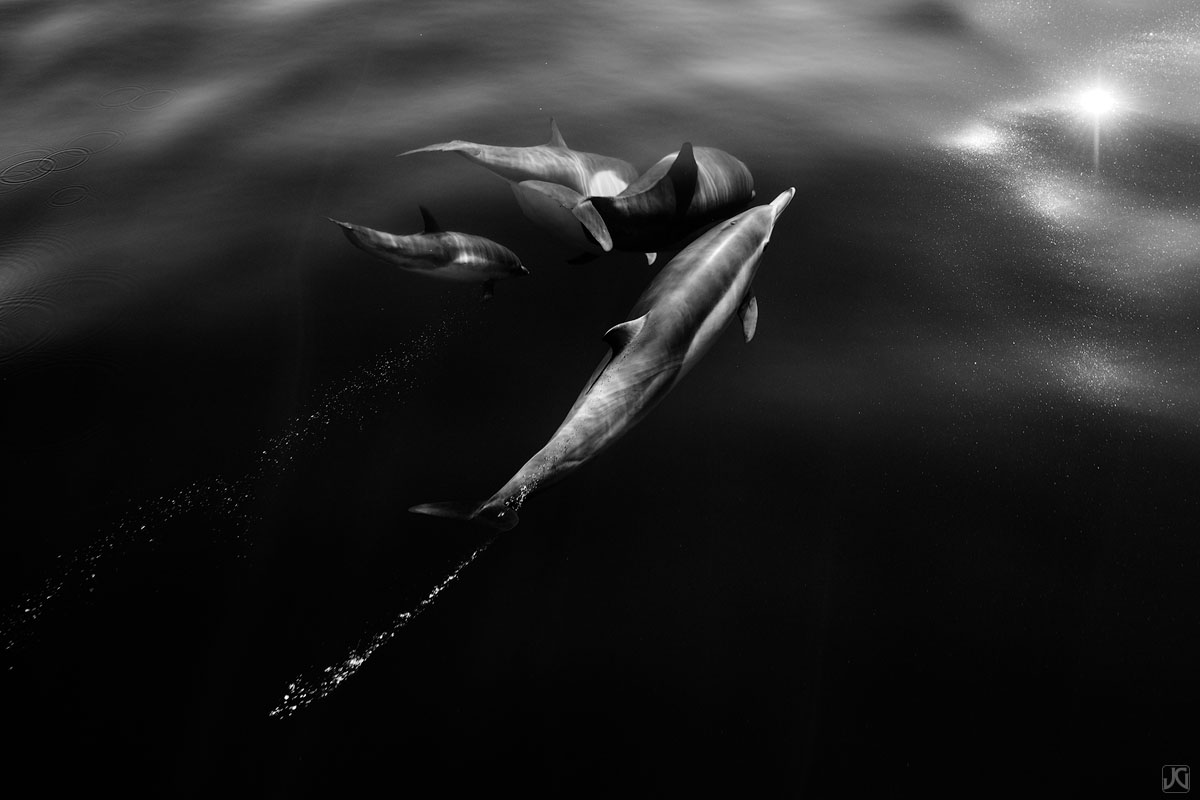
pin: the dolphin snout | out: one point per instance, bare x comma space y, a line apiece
522, 270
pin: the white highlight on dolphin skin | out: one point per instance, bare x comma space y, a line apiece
356, 398
305, 690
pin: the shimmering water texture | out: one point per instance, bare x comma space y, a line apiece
1088, 168
370, 389
307, 689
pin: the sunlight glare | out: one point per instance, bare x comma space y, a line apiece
1097, 101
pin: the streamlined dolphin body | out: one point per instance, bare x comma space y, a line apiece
445, 255
552, 162
679, 195
671, 327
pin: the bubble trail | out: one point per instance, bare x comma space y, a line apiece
81, 568
369, 390
306, 690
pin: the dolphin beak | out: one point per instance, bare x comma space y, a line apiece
524, 270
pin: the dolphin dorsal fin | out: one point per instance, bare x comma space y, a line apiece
556, 139
618, 336
749, 314
682, 175
431, 225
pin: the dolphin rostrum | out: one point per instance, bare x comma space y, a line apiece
672, 325
553, 162
446, 255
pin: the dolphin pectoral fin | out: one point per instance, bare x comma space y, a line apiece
431, 225
564, 196
489, 290
587, 214
749, 314
556, 139
493, 515
618, 336
650, 258
683, 175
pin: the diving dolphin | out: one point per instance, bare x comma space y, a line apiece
672, 325
553, 162
446, 255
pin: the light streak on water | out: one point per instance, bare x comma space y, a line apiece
306, 690
366, 392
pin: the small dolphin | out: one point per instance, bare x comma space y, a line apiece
445, 255
673, 324
553, 162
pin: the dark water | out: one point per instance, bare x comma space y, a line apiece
933, 529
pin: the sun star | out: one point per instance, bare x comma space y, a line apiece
1097, 101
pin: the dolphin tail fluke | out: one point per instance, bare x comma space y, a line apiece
496, 516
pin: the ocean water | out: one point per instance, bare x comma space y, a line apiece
934, 528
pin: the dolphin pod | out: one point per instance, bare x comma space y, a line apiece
681, 194
446, 255
549, 180
672, 325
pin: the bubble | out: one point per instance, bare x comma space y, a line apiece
67, 158
97, 141
119, 98
137, 97
70, 195
305, 691
26, 321
366, 391
26, 168
154, 99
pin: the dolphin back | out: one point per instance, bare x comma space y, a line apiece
681, 194
651, 212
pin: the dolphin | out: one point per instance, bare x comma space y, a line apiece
552, 162
672, 325
684, 192
680, 195
445, 255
